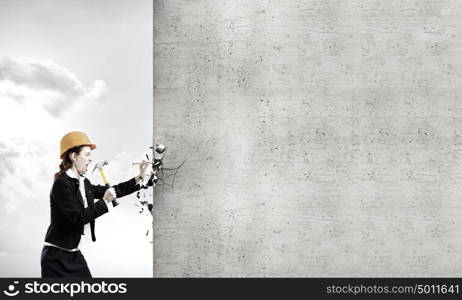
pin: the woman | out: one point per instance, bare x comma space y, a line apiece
73, 209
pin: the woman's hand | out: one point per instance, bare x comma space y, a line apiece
109, 195
143, 168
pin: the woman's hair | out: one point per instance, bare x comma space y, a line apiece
66, 164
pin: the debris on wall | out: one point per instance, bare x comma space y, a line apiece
160, 175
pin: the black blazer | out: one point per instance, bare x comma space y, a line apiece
68, 214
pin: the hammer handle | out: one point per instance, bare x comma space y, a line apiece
106, 183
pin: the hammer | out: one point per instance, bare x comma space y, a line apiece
100, 166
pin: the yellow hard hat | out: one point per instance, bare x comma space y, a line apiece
74, 139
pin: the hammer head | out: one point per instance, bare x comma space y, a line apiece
100, 165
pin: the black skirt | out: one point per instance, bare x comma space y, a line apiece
59, 263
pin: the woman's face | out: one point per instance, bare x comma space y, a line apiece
82, 160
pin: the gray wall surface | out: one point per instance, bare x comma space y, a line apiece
322, 138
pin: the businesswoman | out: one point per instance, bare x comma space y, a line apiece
74, 210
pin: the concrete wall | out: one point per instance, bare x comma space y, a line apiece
322, 138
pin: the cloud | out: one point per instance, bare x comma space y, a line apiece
45, 84
25, 173
6, 156
45, 75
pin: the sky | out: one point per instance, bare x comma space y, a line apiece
65, 66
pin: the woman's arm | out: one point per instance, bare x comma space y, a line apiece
121, 189
124, 188
63, 196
